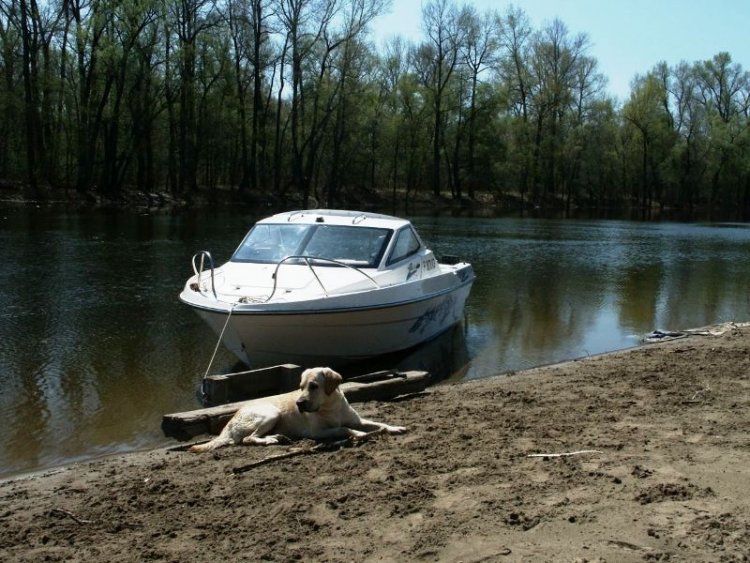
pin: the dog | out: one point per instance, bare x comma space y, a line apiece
318, 410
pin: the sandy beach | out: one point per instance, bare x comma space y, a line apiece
659, 470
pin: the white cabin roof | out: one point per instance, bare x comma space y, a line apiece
338, 217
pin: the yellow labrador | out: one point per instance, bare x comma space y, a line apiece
319, 410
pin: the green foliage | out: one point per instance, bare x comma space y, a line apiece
288, 99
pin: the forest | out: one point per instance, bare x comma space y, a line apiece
293, 101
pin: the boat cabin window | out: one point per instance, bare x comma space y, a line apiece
406, 244
362, 247
270, 243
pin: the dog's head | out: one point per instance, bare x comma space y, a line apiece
317, 386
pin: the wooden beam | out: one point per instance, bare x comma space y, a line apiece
252, 384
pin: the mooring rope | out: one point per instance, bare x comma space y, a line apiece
218, 342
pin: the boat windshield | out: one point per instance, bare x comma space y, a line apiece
362, 247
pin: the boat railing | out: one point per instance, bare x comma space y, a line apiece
308, 260
204, 255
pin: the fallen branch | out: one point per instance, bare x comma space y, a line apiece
60, 512
291, 453
186, 447
566, 454
628, 545
321, 447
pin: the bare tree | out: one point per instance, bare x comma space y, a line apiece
305, 23
556, 61
517, 80
721, 86
482, 41
357, 14
191, 19
440, 54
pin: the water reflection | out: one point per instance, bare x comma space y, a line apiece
553, 290
96, 346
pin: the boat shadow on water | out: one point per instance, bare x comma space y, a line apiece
445, 357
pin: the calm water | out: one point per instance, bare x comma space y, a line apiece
95, 346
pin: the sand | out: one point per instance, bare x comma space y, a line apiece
660, 471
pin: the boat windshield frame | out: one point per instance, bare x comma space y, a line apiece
271, 243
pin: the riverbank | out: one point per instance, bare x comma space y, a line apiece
659, 472
483, 202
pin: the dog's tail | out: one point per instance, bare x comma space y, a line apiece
218, 442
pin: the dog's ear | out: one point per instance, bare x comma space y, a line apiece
304, 377
332, 380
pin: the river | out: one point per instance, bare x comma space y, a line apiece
95, 346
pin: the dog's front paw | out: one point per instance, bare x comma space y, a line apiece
395, 429
264, 440
277, 439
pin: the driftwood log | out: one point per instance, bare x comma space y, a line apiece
378, 386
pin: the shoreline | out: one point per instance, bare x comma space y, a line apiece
43, 471
658, 470
484, 203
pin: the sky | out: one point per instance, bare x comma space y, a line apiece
627, 37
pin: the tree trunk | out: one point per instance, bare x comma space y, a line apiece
29, 97
436, 142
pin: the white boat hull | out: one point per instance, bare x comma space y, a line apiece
334, 336
327, 287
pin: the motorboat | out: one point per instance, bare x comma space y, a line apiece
327, 287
